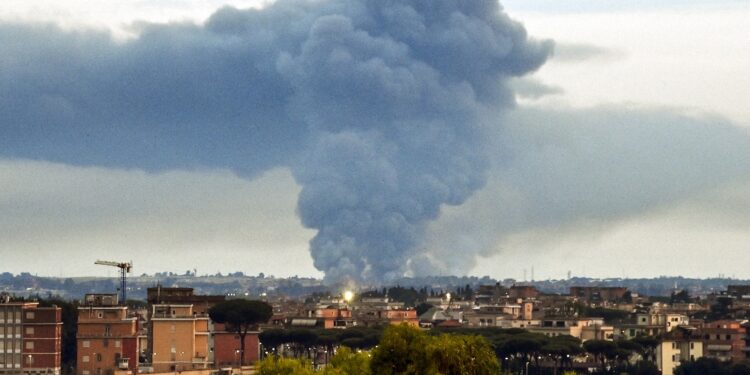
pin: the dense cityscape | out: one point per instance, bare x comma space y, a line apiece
374, 187
267, 325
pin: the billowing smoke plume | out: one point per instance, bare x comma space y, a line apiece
391, 91
377, 106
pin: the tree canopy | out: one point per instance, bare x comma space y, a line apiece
241, 315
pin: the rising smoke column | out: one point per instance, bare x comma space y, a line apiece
393, 92
377, 106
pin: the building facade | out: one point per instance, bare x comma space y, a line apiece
107, 338
724, 340
30, 338
179, 338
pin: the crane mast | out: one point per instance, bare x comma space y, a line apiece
124, 267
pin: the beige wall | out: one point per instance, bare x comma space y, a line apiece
173, 343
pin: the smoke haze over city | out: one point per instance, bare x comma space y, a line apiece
369, 140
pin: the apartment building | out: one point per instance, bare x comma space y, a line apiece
107, 337
227, 347
651, 324
582, 328
724, 340
680, 345
30, 338
179, 338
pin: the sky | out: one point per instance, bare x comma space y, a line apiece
188, 135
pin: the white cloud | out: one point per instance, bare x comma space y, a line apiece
686, 240
66, 217
693, 56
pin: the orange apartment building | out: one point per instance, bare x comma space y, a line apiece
179, 338
334, 317
107, 338
227, 347
723, 340
182, 337
399, 316
30, 338
180, 316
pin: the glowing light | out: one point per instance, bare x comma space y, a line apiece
348, 296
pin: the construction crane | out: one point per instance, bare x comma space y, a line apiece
124, 269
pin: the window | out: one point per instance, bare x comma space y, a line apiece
105, 343
692, 345
98, 357
729, 337
673, 358
29, 330
85, 358
85, 372
29, 345
30, 315
86, 344
107, 330
118, 343
29, 359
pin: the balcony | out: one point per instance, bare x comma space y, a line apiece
719, 347
123, 363
178, 316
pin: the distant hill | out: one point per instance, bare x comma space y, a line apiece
25, 284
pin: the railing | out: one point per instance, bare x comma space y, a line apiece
123, 363
178, 316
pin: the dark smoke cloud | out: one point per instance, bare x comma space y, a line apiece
377, 106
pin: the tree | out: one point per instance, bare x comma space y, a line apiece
703, 366
462, 354
272, 338
680, 297
648, 345
402, 350
601, 350
273, 365
423, 307
301, 339
348, 361
561, 349
240, 316
407, 350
